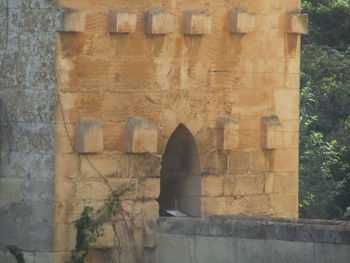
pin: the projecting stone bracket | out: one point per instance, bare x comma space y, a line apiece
240, 21
122, 21
159, 22
271, 133
227, 134
297, 23
197, 23
140, 136
71, 20
89, 136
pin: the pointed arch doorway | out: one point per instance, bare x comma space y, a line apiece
181, 174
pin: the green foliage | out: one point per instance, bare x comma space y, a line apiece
17, 253
90, 224
329, 22
325, 112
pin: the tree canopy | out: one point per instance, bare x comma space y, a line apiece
325, 111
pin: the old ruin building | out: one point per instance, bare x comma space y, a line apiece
192, 105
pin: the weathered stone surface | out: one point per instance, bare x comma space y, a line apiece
89, 136
122, 21
197, 23
27, 137
148, 188
285, 251
212, 186
140, 136
159, 22
297, 23
240, 21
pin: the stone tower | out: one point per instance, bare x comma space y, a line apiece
191, 105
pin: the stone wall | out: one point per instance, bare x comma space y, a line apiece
27, 116
131, 72
246, 239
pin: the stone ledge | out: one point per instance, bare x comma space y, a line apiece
303, 230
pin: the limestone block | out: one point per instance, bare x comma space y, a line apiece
272, 133
284, 205
297, 23
159, 22
213, 206
284, 160
229, 185
147, 209
89, 136
272, 183
287, 103
227, 134
246, 184
212, 186
148, 188
240, 21
216, 163
122, 21
84, 191
72, 20
140, 136
239, 161
197, 23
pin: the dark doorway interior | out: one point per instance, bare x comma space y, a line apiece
180, 174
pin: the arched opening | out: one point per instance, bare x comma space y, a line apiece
180, 174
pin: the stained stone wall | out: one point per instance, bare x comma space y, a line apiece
27, 115
130, 72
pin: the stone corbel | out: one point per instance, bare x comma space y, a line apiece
240, 21
140, 136
71, 20
297, 23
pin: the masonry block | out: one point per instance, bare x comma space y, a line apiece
159, 22
217, 163
212, 186
213, 206
247, 184
240, 21
197, 23
140, 136
122, 21
227, 134
297, 23
72, 20
148, 188
272, 133
89, 137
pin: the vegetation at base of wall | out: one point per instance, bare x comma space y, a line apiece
325, 111
17, 253
90, 224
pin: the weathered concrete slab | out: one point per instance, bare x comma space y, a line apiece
241, 239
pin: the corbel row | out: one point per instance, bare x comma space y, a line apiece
159, 21
142, 136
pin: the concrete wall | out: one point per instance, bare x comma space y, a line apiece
244, 239
27, 114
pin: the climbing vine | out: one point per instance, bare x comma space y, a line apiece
89, 226
17, 253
